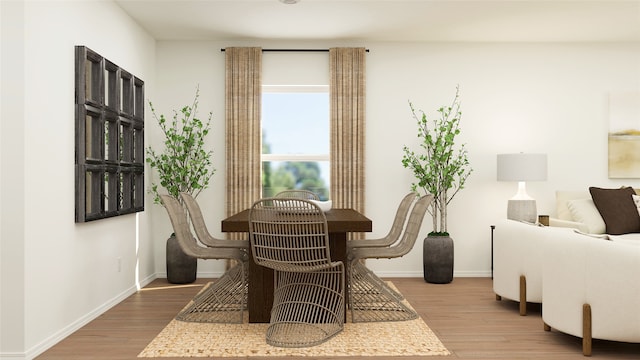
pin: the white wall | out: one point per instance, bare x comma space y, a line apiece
62, 274
11, 178
548, 98
56, 274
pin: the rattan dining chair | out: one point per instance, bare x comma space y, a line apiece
204, 236
291, 237
396, 228
298, 194
371, 298
201, 230
399, 221
221, 301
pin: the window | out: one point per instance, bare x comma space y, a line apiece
295, 139
109, 138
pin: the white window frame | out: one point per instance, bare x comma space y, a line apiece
294, 89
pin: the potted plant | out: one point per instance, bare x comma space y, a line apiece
183, 165
442, 170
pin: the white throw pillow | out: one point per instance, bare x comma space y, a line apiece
585, 211
636, 199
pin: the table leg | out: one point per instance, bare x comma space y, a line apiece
260, 299
338, 246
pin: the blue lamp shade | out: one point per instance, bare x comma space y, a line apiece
522, 167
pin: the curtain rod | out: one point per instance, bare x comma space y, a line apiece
296, 50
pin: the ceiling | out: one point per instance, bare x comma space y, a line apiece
389, 20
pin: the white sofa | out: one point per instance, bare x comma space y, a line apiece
518, 258
517, 251
588, 283
591, 287
517, 262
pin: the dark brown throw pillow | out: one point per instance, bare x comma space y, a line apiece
617, 209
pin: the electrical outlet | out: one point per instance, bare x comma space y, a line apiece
119, 262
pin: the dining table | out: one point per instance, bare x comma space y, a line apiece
340, 222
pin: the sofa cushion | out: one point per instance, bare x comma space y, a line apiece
636, 199
562, 197
585, 211
617, 208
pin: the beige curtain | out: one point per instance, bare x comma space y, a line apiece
243, 80
347, 97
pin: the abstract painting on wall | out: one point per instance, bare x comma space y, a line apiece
624, 135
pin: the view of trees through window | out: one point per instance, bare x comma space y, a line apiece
295, 139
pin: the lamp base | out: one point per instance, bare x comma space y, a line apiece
522, 210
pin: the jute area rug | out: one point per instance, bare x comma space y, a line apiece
396, 338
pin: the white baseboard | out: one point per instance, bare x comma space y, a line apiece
13, 356
76, 325
401, 274
472, 273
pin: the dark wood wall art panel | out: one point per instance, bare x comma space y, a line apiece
109, 161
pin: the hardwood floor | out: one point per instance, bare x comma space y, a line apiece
464, 314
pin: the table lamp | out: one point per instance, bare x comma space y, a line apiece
522, 167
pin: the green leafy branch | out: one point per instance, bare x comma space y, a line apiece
184, 165
440, 170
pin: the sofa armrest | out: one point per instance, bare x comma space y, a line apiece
569, 224
517, 252
579, 270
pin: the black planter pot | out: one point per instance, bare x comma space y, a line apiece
437, 257
181, 268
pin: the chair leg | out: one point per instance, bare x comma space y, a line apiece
523, 295
308, 308
371, 299
586, 330
221, 301
372, 277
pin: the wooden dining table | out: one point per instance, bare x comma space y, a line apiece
260, 299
